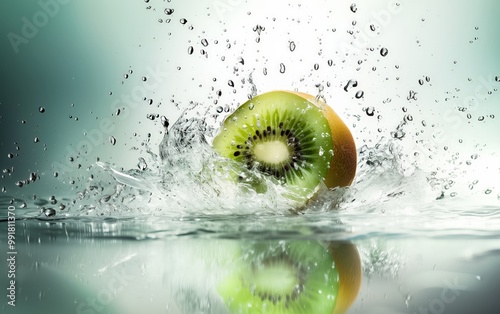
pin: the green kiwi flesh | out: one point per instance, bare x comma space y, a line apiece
283, 277
281, 135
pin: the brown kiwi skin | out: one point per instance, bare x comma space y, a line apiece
344, 161
348, 263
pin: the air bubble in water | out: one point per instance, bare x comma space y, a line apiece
292, 46
36, 140
41, 109
49, 212
282, 68
359, 94
354, 8
372, 27
219, 109
112, 140
183, 21
169, 11
230, 83
384, 52
421, 81
316, 66
204, 42
10, 155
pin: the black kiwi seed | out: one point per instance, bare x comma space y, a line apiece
269, 133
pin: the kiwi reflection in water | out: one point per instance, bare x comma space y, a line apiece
293, 277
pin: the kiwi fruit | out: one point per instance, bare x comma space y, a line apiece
282, 277
283, 136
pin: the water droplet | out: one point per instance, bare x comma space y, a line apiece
370, 111
164, 121
412, 95
359, 94
384, 52
350, 83
354, 8
282, 68
292, 46
408, 118
399, 134
251, 106
169, 11
112, 140
41, 109
142, 165
204, 42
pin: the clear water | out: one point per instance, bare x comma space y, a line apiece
121, 205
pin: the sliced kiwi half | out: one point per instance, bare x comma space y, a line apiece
283, 136
282, 277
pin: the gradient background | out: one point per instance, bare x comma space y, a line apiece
82, 52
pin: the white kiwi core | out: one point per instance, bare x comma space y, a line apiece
272, 152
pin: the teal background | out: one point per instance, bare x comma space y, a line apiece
83, 52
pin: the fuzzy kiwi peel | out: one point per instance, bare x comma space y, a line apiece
282, 277
292, 138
